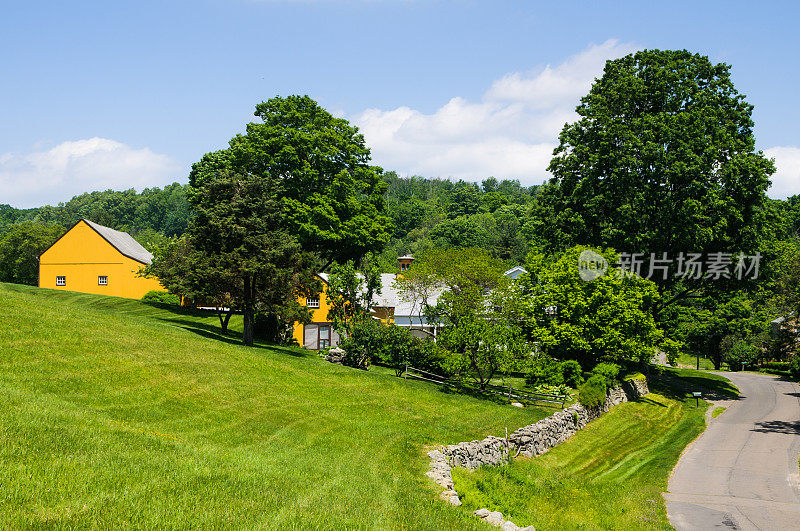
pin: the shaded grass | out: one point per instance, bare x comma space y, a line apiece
116, 413
711, 385
610, 475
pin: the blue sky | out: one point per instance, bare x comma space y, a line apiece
129, 94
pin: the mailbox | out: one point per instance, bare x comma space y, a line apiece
697, 395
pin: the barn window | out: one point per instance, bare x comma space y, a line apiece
61, 281
102, 280
312, 302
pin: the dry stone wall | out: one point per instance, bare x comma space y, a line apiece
539, 437
531, 440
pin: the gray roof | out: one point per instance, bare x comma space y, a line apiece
410, 305
122, 242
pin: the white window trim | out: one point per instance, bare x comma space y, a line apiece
102, 280
312, 303
61, 280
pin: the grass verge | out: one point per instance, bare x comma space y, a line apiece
610, 475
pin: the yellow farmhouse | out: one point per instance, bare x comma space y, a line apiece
91, 258
387, 307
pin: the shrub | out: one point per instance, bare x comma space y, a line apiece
364, 343
778, 365
741, 354
608, 371
794, 368
428, 356
401, 348
544, 371
593, 392
161, 297
394, 346
571, 373
355, 358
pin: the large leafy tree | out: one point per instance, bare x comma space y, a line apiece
330, 199
294, 192
662, 159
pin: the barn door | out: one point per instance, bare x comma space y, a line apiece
311, 336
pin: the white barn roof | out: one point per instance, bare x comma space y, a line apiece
122, 242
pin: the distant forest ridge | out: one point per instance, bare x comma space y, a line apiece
427, 213
501, 216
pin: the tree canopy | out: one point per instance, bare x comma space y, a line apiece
20, 248
330, 199
662, 159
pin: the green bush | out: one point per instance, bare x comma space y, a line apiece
400, 348
394, 343
161, 297
778, 365
544, 371
608, 371
571, 373
794, 368
363, 344
741, 355
593, 392
392, 346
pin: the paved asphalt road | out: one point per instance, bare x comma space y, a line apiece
742, 472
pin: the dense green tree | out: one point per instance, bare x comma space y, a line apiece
20, 248
463, 231
464, 199
331, 201
662, 159
606, 319
238, 245
188, 273
709, 321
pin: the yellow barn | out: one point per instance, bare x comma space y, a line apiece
91, 258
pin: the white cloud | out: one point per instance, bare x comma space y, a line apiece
71, 168
786, 180
510, 133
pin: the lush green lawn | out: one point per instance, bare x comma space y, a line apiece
610, 475
115, 413
691, 361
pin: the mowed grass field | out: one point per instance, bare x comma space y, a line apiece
610, 475
115, 413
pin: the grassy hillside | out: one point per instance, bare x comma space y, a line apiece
114, 413
610, 475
